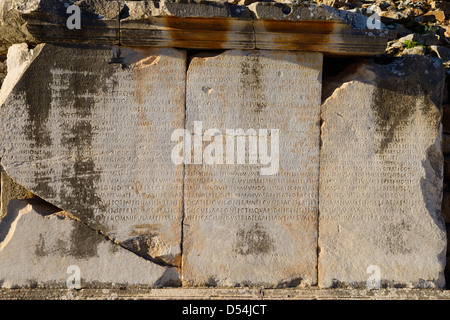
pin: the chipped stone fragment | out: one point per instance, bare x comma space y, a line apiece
243, 226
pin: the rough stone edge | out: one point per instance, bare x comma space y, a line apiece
20, 58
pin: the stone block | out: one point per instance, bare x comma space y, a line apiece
43, 247
381, 170
251, 196
88, 130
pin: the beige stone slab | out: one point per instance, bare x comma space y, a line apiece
231, 294
50, 21
381, 172
183, 24
41, 246
246, 224
88, 130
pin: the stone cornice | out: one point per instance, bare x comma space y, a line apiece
209, 25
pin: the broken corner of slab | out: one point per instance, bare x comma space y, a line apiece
243, 227
59, 251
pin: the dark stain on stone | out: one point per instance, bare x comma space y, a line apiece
337, 284
394, 240
82, 175
251, 81
398, 97
384, 284
32, 284
78, 136
36, 86
82, 244
61, 244
212, 282
43, 187
253, 240
82, 194
86, 74
84, 241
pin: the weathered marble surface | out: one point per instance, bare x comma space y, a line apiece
261, 25
88, 130
41, 246
193, 24
381, 169
245, 226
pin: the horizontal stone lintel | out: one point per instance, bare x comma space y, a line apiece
213, 25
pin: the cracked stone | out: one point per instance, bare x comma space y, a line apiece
381, 176
88, 129
29, 21
41, 246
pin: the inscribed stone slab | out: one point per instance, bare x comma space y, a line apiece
41, 246
9, 190
50, 21
381, 177
88, 130
249, 221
